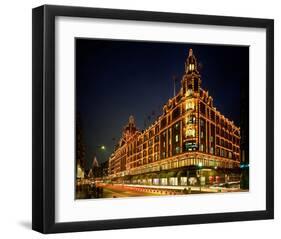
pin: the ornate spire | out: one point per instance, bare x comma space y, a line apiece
191, 63
190, 52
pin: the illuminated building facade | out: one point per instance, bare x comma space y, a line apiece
80, 151
190, 143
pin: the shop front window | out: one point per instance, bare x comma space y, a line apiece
164, 181
173, 181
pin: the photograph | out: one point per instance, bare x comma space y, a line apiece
160, 118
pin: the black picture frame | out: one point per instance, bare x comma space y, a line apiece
43, 117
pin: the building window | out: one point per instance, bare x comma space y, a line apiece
157, 129
156, 139
163, 123
201, 147
212, 150
190, 120
212, 115
202, 134
164, 181
217, 119
173, 181
202, 108
218, 152
177, 138
189, 146
177, 150
193, 118
191, 67
202, 123
145, 138
189, 92
156, 148
176, 113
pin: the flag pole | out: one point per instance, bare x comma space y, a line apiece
174, 82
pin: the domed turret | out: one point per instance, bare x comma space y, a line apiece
130, 128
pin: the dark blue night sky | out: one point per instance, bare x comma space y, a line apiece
116, 79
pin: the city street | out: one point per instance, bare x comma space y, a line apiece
103, 190
116, 192
111, 191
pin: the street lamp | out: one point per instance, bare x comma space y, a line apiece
200, 166
100, 147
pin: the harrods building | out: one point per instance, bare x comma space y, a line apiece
190, 142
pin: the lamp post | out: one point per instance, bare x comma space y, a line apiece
200, 166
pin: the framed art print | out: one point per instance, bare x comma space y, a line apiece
145, 119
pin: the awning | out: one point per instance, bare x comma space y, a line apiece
127, 177
171, 174
181, 173
135, 177
149, 175
163, 175
142, 176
